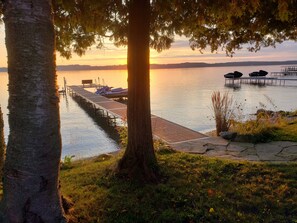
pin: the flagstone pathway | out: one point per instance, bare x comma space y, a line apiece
279, 151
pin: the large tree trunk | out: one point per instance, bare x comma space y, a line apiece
31, 187
139, 160
2, 143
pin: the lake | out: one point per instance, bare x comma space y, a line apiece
179, 95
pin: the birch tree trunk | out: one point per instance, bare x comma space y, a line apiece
31, 170
2, 144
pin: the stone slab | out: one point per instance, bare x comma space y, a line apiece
268, 151
289, 153
235, 148
191, 147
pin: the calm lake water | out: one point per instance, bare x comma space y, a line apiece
179, 95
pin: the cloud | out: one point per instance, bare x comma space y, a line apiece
181, 52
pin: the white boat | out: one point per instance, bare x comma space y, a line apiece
110, 92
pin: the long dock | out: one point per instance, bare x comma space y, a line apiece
272, 81
187, 140
286, 71
178, 136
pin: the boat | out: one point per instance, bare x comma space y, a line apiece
235, 74
260, 73
102, 90
111, 92
229, 75
117, 94
254, 74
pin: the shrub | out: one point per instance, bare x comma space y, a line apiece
67, 162
262, 128
123, 132
222, 105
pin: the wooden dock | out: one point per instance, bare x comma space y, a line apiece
272, 81
286, 71
169, 132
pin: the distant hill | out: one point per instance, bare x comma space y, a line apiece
227, 64
178, 65
171, 66
89, 67
3, 69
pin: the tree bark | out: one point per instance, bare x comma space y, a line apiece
31, 170
2, 144
139, 159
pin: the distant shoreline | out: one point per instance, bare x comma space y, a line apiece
171, 66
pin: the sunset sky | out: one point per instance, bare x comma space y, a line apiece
180, 52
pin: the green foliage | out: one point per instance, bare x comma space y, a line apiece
192, 189
81, 24
123, 132
254, 131
67, 162
222, 106
1, 190
267, 125
225, 25
277, 126
231, 24
262, 128
287, 132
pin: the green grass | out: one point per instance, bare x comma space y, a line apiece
267, 128
286, 133
192, 189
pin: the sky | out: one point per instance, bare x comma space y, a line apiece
180, 52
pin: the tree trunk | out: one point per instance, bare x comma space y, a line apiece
139, 160
31, 170
2, 144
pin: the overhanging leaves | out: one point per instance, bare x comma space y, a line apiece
220, 25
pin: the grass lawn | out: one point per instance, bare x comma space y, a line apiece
264, 130
193, 189
287, 132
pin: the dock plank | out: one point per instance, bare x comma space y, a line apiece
172, 132
111, 105
120, 113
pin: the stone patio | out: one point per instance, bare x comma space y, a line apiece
279, 151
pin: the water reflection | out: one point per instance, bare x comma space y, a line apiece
179, 95
184, 95
108, 124
235, 87
81, 136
